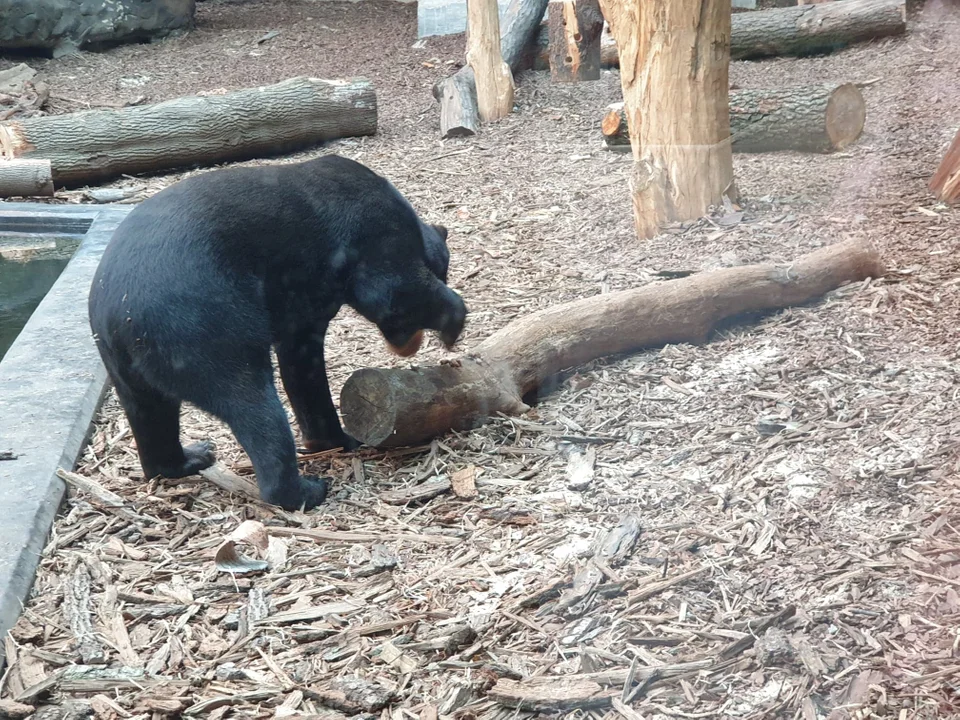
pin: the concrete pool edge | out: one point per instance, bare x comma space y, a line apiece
51, 385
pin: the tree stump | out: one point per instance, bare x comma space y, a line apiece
97, 145
575, 27
674, 60
393, 407
492, 76
810, 118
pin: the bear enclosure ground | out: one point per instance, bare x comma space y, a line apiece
808, 459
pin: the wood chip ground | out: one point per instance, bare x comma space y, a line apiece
765, 526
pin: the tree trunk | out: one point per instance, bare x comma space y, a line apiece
674, 59
575, 28
492, 77
25, 178
793, 30
458, 93
945, 183
810, 29
101, 144
391, 407
811, 118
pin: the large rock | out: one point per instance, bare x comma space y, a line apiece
62, 25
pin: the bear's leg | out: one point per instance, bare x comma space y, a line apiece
155, 422
304, 374
254, 413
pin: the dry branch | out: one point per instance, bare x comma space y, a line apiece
945, 183
802, 30
100, 144
390, 407
809, 118
458, 93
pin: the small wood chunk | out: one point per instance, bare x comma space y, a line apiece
580, 468
14, 710
353, 695
91, 487
464, 482
550, 694
418, 493
76, 610
945, 183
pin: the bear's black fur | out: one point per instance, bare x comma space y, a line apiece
202, 279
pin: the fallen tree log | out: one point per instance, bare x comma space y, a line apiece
945, 183
457, 94
255, 122
798, 30
393, 407
25, 178
810, 118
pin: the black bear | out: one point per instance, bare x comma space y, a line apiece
203, 278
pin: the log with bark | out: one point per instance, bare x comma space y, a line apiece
945, 183
457, 94
25, 178
393, 407
492, 76
101, 144
803, 30
674, 64
575, 28
809, 118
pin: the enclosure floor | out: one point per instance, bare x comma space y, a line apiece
851, 513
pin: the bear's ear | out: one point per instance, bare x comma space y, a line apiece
441, 230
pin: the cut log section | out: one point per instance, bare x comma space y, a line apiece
393, 407
25, 178
945, 183
575, 28
458, 93
811, 118
797, 30
492, 76
101, 144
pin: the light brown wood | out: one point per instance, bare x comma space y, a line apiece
674, 60
391, 407
945, 183
778, 31
26, 178
492, 75
255, 122
808, 118
575, 27
457, 94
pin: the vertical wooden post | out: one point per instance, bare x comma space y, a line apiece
674, 64
493, 77
574, 28
945, 182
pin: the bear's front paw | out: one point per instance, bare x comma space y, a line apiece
308, 492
